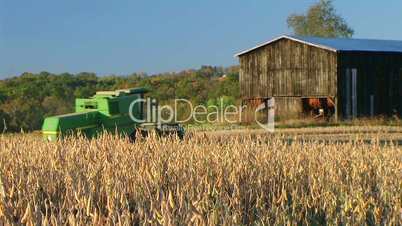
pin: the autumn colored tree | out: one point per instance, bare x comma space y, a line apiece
320, 20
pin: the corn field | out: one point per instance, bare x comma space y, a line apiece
220, 180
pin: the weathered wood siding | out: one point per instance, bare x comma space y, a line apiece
378, 74
288, 68
288, 107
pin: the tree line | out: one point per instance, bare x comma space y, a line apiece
27, 99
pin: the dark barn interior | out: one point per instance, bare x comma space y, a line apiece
319, 77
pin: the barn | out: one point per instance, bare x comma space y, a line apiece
330, 77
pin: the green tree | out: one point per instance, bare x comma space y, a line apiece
4, 118
320, 20
19, 113
53, 105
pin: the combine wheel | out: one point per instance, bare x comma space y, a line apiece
144, 133
138, 134
132, 136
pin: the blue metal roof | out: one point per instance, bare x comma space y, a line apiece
347, 44
341, 44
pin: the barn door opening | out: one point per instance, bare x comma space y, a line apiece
351, 93
318, 107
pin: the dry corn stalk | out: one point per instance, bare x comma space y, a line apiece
206, 180
2, 192
2, 196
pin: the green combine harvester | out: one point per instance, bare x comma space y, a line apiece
117, 112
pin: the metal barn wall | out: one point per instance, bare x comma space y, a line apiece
288, 70
378, 74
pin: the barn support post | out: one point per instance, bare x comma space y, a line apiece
336, 109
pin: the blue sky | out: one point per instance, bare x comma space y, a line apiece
126, 36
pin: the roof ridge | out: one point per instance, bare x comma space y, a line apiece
345, 38
339, 44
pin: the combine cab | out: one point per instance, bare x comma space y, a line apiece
110, 111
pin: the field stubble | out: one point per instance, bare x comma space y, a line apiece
203, 180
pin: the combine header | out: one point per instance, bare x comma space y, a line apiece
110, 111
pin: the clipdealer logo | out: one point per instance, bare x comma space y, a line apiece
220, 113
